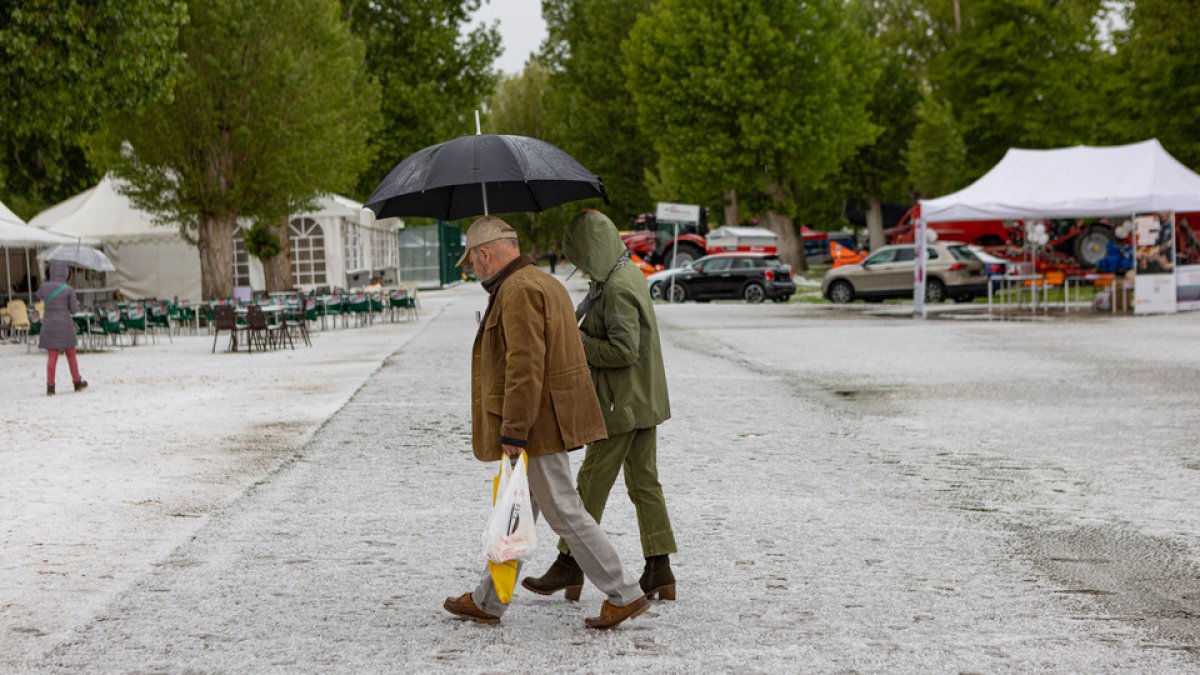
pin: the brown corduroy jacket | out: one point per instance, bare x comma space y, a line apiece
530, 384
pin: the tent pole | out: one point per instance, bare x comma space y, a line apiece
921, 244
28, 281
7, 276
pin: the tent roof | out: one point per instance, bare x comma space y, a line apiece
103, 213
16, 235
1077, 182
100, 213
7, 216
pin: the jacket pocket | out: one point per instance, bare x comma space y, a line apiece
493, 404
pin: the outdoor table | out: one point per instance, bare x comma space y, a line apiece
1007, 280
87, 318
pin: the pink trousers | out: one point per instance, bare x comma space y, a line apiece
52, 363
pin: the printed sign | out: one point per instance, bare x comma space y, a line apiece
677, 213
1154, 286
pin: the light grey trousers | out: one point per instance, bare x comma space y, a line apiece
552, 488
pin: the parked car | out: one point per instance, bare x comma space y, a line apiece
752, 277
993, 265
953, 271
660, 281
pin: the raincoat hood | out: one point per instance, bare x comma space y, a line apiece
59, 271
593, 244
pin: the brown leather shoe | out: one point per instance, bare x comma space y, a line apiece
611, 616
464, 606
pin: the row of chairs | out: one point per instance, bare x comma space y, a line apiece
257, 329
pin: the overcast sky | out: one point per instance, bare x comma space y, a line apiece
521, 29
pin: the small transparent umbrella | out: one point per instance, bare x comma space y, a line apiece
78, 256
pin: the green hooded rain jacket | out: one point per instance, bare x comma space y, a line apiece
622, 347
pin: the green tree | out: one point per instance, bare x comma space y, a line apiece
1021, 74
1158, 65
431, 76
589, 102
936, 156
65, 66
273, 106
876, 173
755, 97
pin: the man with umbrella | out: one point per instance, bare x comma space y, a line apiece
531, 391
530, 385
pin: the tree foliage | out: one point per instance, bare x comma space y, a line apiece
1158, 69
592, 108
64, 67
1022, 74
272, 106
756, 96
936, 155
431, 77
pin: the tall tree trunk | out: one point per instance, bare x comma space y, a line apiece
790, 242
277, 269
875, 223
215, 241
731, 207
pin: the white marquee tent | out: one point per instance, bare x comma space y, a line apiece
332, 247
1078, 182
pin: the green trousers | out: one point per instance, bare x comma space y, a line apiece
636, 452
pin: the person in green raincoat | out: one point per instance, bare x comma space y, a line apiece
620, 339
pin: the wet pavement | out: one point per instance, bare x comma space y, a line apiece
865, 495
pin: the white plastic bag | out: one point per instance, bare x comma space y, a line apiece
510, 533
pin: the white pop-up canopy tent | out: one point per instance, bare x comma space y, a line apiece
1078, 182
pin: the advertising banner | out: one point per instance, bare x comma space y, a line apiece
1154, 285
1187, 263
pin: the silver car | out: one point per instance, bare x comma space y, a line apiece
952, 272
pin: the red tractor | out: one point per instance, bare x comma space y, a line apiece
1073, 243
659, 245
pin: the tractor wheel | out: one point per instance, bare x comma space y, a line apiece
1092, 246
685, 254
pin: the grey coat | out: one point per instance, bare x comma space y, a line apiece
58, 329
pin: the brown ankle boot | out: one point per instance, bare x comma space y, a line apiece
49, 390
658, 579
563, 574
81, 385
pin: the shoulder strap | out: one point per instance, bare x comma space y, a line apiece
56, 292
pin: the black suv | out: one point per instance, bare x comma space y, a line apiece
752, 277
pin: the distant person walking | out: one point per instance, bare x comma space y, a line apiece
58, 329
620, 340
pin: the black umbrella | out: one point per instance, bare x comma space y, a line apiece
480, 174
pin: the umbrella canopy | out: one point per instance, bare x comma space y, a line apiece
518, 173
78, 256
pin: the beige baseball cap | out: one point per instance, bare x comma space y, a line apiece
487, 228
